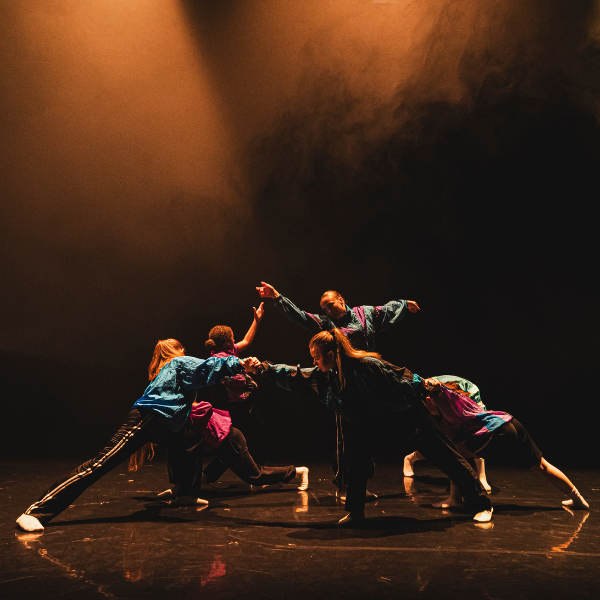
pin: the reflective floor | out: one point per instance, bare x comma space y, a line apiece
117, 541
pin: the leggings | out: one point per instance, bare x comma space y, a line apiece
245, 418
234, 454
139, 428
510, 443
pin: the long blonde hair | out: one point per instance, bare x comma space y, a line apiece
164, 352
343, 351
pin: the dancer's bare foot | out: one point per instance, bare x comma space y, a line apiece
480, 464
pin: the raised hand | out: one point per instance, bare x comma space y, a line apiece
267, 291
259, 312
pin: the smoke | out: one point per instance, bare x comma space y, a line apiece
383, 118
441, 149
118, 173
156, 156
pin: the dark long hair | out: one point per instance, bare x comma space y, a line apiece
343, 351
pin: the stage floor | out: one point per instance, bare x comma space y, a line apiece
118, 542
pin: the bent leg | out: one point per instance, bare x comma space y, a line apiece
185, 460
555, 476
234, 453
214, 470
561, 482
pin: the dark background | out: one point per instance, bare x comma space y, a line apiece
158, 162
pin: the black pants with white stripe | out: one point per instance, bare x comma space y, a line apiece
139, 428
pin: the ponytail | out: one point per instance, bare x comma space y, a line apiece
218, 336
343, 351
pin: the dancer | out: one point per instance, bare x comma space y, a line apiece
158, 416
457, 383
234, 393
481, 432
361, 325
378, 400
229, 445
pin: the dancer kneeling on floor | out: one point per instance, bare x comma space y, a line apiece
235, 394
487, 434
378, 400
158, 416
229, 445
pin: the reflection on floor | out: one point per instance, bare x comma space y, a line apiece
117, 541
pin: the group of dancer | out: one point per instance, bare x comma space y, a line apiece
193, 404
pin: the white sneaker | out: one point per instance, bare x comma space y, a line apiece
29, 523
409, 461
576, 503
188, 501
302, 473
351, 519
485, 516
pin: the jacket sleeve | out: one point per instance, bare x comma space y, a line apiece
203, 373
387, 315
308, 382
314, 323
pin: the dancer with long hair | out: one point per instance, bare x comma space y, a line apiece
159, 416
360, 324
494, 434
378, 400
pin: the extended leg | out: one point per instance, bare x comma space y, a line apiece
561, 482
133, 434
234, 453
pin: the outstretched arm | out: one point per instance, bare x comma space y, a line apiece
308, 382
197, 373
314, 323
392, 312
249, 337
